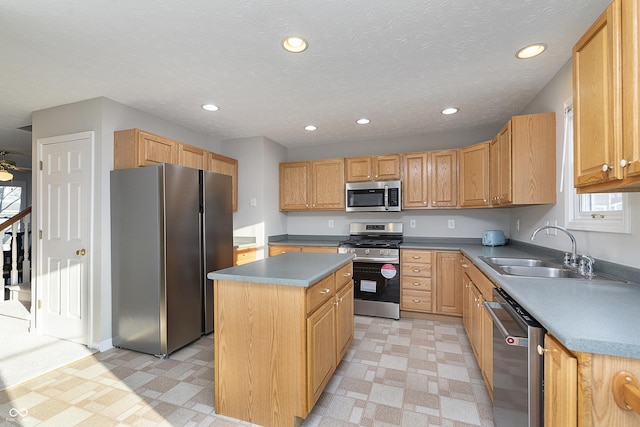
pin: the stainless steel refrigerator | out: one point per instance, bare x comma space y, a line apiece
170, 226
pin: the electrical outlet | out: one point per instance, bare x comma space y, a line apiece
518, 224
330, 223
253, 202
546, 230
451, 223
412, 223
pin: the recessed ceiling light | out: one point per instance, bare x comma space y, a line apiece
531, 51
450, 110
363, 121
294, 44
210, 107
310, 127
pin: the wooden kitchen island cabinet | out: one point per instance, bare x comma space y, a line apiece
281, 327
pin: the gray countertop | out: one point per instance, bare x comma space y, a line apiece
590, 316
291, 269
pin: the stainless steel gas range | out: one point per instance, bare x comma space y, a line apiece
376, 267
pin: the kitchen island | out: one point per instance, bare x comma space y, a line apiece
281, 326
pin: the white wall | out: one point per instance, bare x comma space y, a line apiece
258, 160
103, 116
614, 247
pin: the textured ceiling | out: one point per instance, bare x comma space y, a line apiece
397, 62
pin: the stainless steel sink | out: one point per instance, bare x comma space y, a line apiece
539, 271
527, 262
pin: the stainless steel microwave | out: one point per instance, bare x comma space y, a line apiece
376, 196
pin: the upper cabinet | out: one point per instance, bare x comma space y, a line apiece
523, 161
312, 185
606, 95
429, 179
226, 166
373, 168
136, 148
474, 175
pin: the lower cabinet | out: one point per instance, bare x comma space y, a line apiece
430, 282
244, 255
277, 346
582, 389
281, 249
477, 322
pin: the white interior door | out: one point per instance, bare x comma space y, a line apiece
65, 240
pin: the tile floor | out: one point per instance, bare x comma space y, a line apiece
396, 373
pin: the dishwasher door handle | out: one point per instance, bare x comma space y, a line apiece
508, 338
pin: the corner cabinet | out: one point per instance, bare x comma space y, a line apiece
430, 179
313, 185
277, 381
523, 161
134, 148
373, 168
606, 92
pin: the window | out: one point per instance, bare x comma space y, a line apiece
605, 212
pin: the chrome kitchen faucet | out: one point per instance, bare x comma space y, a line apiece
573, 261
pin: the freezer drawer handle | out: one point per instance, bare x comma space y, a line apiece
509, 339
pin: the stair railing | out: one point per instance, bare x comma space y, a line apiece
14, 222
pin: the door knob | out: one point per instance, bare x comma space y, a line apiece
81, 252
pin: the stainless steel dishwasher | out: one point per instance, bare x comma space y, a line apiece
517, 367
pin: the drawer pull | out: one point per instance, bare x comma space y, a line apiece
416, 257
347, 275
416, 284
417, 301
325, 291
415, 270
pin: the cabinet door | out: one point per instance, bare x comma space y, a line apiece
344, 320
327, 182
192, 157
443, 176
476, 326
155, 149
486, 352
596, 106
386, 168
474, 175
321, 350
226, 166
415, 181
359, 169
560, 385
494, 171
294, 186
631, 84
448, 283
467, 303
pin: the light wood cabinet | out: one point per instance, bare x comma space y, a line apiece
416, 293
560, 385
606, 91
474, 175
430, 179
244, 255
309, 330
448, 283
314, 185
192, 157
477, 321
523, 161
226, 166
135, 148
373, 168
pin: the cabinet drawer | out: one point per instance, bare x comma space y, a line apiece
409, 255
344, 275
416, 300
244, 255
416, 269
416, 283
320, 292
482, 282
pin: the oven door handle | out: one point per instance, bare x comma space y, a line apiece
374, 260
386, 197
508, 338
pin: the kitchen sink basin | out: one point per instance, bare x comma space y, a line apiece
527, 262
539, 271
